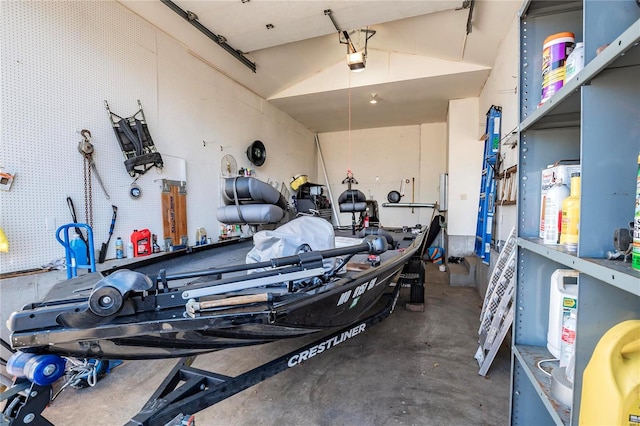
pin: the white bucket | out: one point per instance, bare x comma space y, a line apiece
564, 283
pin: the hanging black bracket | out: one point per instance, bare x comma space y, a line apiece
192, 18
347, 39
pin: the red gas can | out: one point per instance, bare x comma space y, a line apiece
141, 242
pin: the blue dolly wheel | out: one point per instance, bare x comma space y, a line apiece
42, 370
15, 365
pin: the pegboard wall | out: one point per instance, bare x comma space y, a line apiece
60, 61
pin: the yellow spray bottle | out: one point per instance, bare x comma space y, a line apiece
571, 216
4, 243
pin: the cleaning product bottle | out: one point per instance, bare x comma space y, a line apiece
564, 283
4, 243
555, 50
79, 249
130, 250
575, 62
611, 381
201, 236
119, 248
635, 256
571, 216
553, 212
154, 244
568, 336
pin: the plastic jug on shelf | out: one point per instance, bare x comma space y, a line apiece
611, 383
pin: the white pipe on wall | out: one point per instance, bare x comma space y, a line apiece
443, 188
326, 179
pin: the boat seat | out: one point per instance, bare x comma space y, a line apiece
373, 230
305, 205
250, 201
352, 201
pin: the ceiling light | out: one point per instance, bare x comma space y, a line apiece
356, 61
374, 99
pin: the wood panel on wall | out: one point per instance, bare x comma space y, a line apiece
174, 212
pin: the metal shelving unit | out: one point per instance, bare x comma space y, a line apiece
594, 117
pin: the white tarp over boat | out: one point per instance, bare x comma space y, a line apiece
288, 238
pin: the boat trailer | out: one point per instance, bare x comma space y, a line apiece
187, 390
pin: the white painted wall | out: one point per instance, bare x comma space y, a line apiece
228, 118
465, 151
433, 162
380, 159
60, 62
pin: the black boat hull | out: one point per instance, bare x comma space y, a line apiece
166, 333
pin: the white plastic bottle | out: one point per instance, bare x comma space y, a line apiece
553, 212
575, 62
130, 250
564, 284
568, 337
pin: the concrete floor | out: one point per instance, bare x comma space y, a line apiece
414, 368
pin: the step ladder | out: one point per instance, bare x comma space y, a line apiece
486, 208
497, 309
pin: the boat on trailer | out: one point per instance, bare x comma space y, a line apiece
334, 292
131, 315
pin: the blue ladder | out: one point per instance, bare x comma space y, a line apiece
72, 264
486, 208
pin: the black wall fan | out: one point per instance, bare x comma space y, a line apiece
257, 153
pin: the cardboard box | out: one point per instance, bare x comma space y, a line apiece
549, 177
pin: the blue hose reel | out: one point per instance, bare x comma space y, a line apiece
42, 370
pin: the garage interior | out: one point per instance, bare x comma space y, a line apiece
398, 99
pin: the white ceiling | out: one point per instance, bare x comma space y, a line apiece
419, 58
